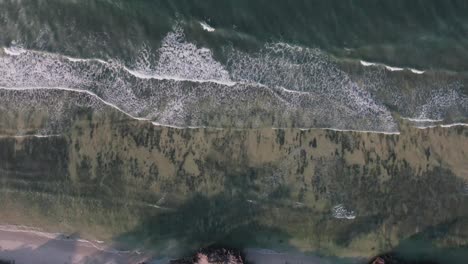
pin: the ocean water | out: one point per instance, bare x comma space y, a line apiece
266, 76
322, 64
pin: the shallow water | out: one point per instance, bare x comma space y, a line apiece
322, 127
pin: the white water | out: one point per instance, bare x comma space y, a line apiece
181, 85
206, 27
340, 212
29, 136
390, 68
14, 50
422, 119
393, 68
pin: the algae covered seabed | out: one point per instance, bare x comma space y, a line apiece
170, 190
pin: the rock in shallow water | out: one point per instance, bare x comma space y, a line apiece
212, 256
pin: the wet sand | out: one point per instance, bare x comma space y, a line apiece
29, 246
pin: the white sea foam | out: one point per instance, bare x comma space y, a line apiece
181, 59
422, 120
149, 75
182, 85
75, 91
170, 104
84, 60
390, 68
310, 71
393, 68
443, 125
366, 64
443, 100
143, 119
426, 127
340, 212
144, 75
417, 71
454, 125
14, 50
360, 131
206, 27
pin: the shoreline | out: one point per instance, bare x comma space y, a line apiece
30, 245
24, 244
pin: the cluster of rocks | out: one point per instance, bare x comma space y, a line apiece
212, 256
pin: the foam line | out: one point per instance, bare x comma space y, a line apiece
76, 91
84, 60
161, 124
200, 127
390, 68
29, 136
157, 77
454, 124
393, 68
417, 71
422, 119
367, 64
443, 126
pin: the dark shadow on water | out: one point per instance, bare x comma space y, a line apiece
422, 246
222, 221
228, 220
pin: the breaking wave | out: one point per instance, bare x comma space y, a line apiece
184, 85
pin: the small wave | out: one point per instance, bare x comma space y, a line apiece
289, 78
206, 27
417, 71
454, 125
367, 64
422, 120
143, 75
443, 126
85, 60
425, 127
14, 50
393, 68
390, 68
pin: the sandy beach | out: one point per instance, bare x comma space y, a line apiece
30, 246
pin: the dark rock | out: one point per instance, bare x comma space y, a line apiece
212, 256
